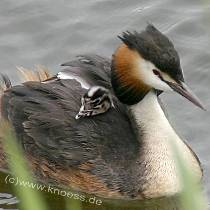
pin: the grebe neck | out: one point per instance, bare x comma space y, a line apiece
156, 136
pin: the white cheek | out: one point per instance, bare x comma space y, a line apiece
146, 73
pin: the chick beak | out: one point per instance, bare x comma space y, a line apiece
185, 91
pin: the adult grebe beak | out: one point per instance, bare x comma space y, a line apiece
185, 91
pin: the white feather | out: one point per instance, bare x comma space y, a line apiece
146, 73
64, 75
156, 148
93, 90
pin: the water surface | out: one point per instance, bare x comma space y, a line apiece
42, 32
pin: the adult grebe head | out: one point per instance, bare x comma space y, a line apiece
145, 61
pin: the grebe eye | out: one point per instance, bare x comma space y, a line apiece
156, 72
96, 101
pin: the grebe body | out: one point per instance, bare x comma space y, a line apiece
125, 152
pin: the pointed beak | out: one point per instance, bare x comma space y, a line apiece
185, 91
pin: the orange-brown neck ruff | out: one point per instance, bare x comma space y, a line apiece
126, 76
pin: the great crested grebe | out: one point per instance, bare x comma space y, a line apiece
124, 152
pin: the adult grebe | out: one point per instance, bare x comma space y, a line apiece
123, 153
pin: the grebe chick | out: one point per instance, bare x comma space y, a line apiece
97, 100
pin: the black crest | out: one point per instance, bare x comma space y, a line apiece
156, 48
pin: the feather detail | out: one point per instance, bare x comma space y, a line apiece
40, 74
127, 80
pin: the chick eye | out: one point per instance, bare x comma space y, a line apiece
96, 101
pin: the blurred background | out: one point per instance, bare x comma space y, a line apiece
52, 32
